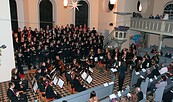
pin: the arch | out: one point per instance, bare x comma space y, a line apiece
54, 6
168, 9
46, 14
20, 13
89, 12
13, 12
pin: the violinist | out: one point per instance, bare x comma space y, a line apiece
59, 65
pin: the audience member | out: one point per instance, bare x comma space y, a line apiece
93, 97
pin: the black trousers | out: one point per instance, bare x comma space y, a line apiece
120, 82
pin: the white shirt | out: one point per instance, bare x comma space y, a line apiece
163, 70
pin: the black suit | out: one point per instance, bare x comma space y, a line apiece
12, 96
122, 72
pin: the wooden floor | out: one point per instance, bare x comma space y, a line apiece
98, 79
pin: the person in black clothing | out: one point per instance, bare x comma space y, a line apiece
12, 95
15, 96
50, 93
139, 94
122, 72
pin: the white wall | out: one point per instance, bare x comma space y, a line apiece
7, 58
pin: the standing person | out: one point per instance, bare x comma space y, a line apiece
93, 97
121, 72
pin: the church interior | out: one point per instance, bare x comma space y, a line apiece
86, 51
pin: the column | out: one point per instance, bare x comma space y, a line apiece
20, 13
7, 54
160, 42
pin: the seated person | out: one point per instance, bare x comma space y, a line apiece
15, 96
50, 93
42, 83
164, 69
163, 81
20, 83
38, 74
76, 84
93, 97
138, 96
168, 54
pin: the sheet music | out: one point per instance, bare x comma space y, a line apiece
105, 84
60, 83
111, 83
112, 96
96, 59
144, 70
84, 75
142, 76
119, 63
35, 87
55, 80
137, 73
119, 93
89, 79
91, 70
113, 70
101, 57
155, 77
148, 64
151, 80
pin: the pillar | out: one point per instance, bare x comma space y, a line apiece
7, 54
160, 42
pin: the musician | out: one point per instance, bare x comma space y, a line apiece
49, 66
12, 95
50, 93
59, 65
76, 84
77, 66
109, 60
15, 96
38, 74
20, 82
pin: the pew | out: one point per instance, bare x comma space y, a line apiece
101, 92
124, 93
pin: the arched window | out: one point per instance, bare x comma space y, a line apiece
14, 19
46, 14
169, 10
81, 16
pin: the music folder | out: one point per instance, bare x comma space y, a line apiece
55, 80
89, 79
113, 70
84, 75
35, 87
60, 83
112, 96
91, 70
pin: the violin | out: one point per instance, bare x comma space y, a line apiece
62, 65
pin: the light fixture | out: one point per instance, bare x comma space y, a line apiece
65, 3
112, 1
140, 7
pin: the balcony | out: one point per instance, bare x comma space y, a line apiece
156, 26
